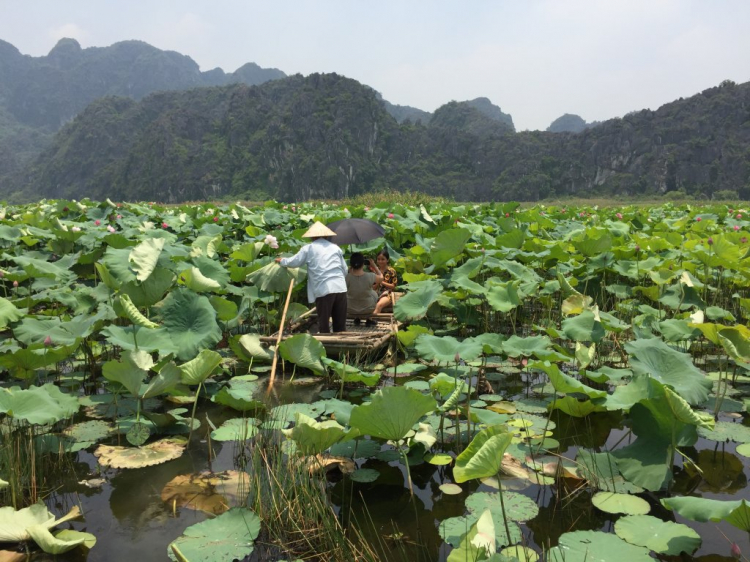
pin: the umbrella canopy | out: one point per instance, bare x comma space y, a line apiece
355, 231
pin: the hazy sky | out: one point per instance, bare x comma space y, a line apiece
536, 59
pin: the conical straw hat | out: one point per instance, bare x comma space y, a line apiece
317, 230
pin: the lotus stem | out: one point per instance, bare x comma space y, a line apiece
408, 472
195, 405
502, 505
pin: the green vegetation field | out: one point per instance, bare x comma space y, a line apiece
592, 360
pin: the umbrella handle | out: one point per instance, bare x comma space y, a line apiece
281, 333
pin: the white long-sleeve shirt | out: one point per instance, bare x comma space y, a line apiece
326, 268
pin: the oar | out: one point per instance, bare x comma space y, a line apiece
281, 333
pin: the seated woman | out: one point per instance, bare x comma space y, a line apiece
390, 279
360, 296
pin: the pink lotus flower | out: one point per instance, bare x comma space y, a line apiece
216, 219
164, 225
735, 551
15, 284
97, 222
111, 228
524, 361
581, 214
736, 227
507, 215
739, 215
119, 216
47, 341
391, 215
698, 219
710, 241
619, 216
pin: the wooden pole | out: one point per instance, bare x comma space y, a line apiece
281, 333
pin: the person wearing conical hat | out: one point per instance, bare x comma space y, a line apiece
326, 276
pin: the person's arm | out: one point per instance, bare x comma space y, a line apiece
297, 260
376, 272
390, 286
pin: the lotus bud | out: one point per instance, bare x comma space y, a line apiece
76, 229
739, 215
735, 551
637, 248
97, 222
111, 228
457, 357
15, 284
164, 225
65, 209
524, 361
507, 215
119, 216
619, 216
390, 215
710, 241
47, 341
697, 219
216, 219
736, 227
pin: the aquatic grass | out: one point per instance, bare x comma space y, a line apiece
292, 501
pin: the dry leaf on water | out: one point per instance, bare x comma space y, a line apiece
209, 492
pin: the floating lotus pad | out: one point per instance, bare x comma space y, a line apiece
455, 528
522, 553
450, 489
663, 537
138, 457
213, 493
237, 429
517, 506
595, 546
612, 502
229, 536
726, 431
365, 475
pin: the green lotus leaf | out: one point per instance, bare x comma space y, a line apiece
503, 297
584, 327
38, 405
445, 349
736, 344
454, 529
575, 407
663, 537
357, 449
612, 502
564, 383
89, 431
52, 544
229, 536
87, 539
144, 257
391, 413
33, 330
349, 373
313, 437
414, 305
247, 252
275, 278
150, 291
190, 321
478, 543
447, 245
125, 372
194, 280
8, 313
736, 513
726, 431
596, 546
60, 270
305, 351
445, 384
518, 507
237, 429
670, 367
200, 368
409, 336
520, 553
674, 330
135, 338
576, 304
206, 244
226, 310
365, 475
483, 456
166, 379
15, 525
239, 395
537, 346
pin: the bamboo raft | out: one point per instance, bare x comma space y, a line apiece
361, 338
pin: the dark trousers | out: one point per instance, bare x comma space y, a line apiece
332, 305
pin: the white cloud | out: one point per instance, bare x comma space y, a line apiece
70, 30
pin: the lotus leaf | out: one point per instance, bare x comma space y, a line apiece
200, 368
289, 412
504, 297
612, 502
145, 256
194, 280
446, 348
450, 489
39, 405
349, 373
564, 383
448, 244
340, 410
190, 321
584, 327
484, 454
23, 362
211, 492
726, 431
139, 457
8, 313
237, 429
17, 526
239, 395
229, 536
313, 437
454, 529
478, 543
521, 553
274, 278
149, 292
89, 431
655, 358
305, 351
391, 413
413, 306
663, 537
736, 513
595, 546
357, 449
365, 475
537, 346
250, 345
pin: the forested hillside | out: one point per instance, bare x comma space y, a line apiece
329, 136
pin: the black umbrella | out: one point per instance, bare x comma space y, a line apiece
355, 231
